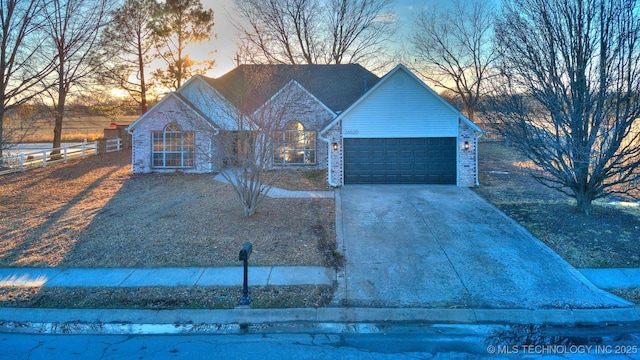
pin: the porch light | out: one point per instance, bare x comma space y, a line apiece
334, 146
467, 145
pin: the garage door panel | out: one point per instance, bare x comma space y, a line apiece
400, 161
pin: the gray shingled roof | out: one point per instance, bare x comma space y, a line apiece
337, 86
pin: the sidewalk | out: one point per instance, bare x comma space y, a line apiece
278, 193
228, 276
327, 319
613, 278
231, 276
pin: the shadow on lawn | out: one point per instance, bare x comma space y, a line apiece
42, 215
190, 220
606, 238
95, 213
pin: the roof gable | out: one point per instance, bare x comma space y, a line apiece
386, 81
199, 93
286, 93
336, 86
159, 105
172, 96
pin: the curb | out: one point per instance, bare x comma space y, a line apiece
234, 320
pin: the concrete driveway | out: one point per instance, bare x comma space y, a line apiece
444, 246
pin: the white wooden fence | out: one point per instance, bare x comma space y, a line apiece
42, 158
113, 145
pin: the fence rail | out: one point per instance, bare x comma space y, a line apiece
113, 145
42, 158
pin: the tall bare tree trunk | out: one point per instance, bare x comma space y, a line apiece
1, 133
143, 84
59, 111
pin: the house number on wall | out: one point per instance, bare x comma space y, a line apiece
351, 132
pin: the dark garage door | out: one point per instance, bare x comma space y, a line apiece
400, 161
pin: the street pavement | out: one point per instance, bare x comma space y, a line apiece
337, 342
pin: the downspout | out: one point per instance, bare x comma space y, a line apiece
477, 178
329, 157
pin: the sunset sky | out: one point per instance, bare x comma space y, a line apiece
225, 44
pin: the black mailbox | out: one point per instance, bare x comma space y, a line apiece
245, 252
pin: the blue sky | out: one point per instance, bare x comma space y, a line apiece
225, 44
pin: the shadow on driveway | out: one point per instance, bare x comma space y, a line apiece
445, 247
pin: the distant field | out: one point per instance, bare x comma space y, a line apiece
76, 128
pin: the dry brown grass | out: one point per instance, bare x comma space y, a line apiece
608, 238
631, 294
163, 298
74, 128
95, 213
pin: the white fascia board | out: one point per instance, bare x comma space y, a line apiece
146, 114
160, 103
198, 112
188, 83
229, 108
386, 78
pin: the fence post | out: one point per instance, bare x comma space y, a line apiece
64, 154
83, 148
44, 158
21, 161
95, 146
119, 144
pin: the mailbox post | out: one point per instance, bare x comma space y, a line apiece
245, 252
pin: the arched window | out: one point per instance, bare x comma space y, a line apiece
173, 148
294, 145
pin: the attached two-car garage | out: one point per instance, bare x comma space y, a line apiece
401, 132
400, 160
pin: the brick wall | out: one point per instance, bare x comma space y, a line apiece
303, 107
171, 110
467, 158
335, 174
466, 165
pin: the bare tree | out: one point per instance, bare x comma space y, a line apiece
454, 50
130, 43
568, 94
73, 28
249, 123
314, 31
22, 64
179, 24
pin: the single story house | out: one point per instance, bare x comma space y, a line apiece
343, 118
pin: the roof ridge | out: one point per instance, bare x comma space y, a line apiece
335, 85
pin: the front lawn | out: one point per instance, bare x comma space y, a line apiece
610, 237
95, 213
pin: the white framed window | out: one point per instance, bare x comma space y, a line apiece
294, 145
172, 148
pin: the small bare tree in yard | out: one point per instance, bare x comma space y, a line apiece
569, 93
248, 157
454, 51
246, 153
